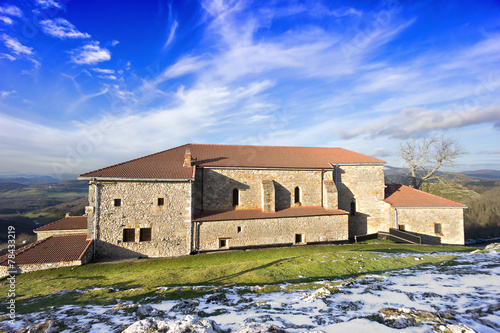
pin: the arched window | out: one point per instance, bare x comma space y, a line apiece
353, 207
236, 197
297, 194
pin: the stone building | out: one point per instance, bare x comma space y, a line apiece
198, 197
62, 243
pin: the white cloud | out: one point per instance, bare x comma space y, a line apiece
11, 10
5, 94
6, 20
107, 77
420, 121
171, 35
490, 152
61, 28
103, 71
49, 4
114, 42
19, 50
15, 46
90, 54
7, 56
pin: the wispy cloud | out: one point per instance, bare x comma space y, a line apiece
11, 10
7, 56
420, 121
6, 20
90, 54
5, 94
19, 51
49, 4
15, 46
103, 70
172, 25
61, 28
490, 152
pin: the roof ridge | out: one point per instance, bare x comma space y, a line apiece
432, 195
46, 225
264, 146
135, 159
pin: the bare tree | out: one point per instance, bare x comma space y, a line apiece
425, 156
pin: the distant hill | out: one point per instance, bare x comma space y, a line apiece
27, 178
483, 174
396, 172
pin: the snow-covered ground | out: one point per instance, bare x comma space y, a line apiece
463, 295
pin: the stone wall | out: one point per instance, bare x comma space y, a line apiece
45, 234
364, 185
273, 231
218, 185
422, 220
38, 267
170, 223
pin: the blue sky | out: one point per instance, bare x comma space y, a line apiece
86, 84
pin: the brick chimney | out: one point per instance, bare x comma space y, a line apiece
187, 158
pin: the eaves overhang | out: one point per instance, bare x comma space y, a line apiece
360, 164
123, 179
430, 207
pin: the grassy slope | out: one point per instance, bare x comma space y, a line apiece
138, 280
455, 192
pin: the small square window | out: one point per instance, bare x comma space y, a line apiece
223, 243
145, 235
161, 201
118, 202
128, 235
239, 229
299, 238
437, 229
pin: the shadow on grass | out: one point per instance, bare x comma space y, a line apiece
220, 280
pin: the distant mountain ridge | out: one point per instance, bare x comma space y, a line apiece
483, 174
27, 178
486, 174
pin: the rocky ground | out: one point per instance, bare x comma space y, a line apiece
458, 296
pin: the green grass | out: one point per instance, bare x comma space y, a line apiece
455, 192
140, 279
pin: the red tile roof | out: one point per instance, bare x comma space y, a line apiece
68, 223
168, 164
251, 214
51, 249
403, 196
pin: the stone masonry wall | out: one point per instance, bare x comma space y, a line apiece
45, 234
421, 221
365, 184
219, 184
170, 223
38, 267
246, 233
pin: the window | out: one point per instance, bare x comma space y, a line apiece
299, 238
145, 235
161, 201
128, 235
437, 229
353, 207
236, 197
223, 243
297, 195
118, 202
239, 229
